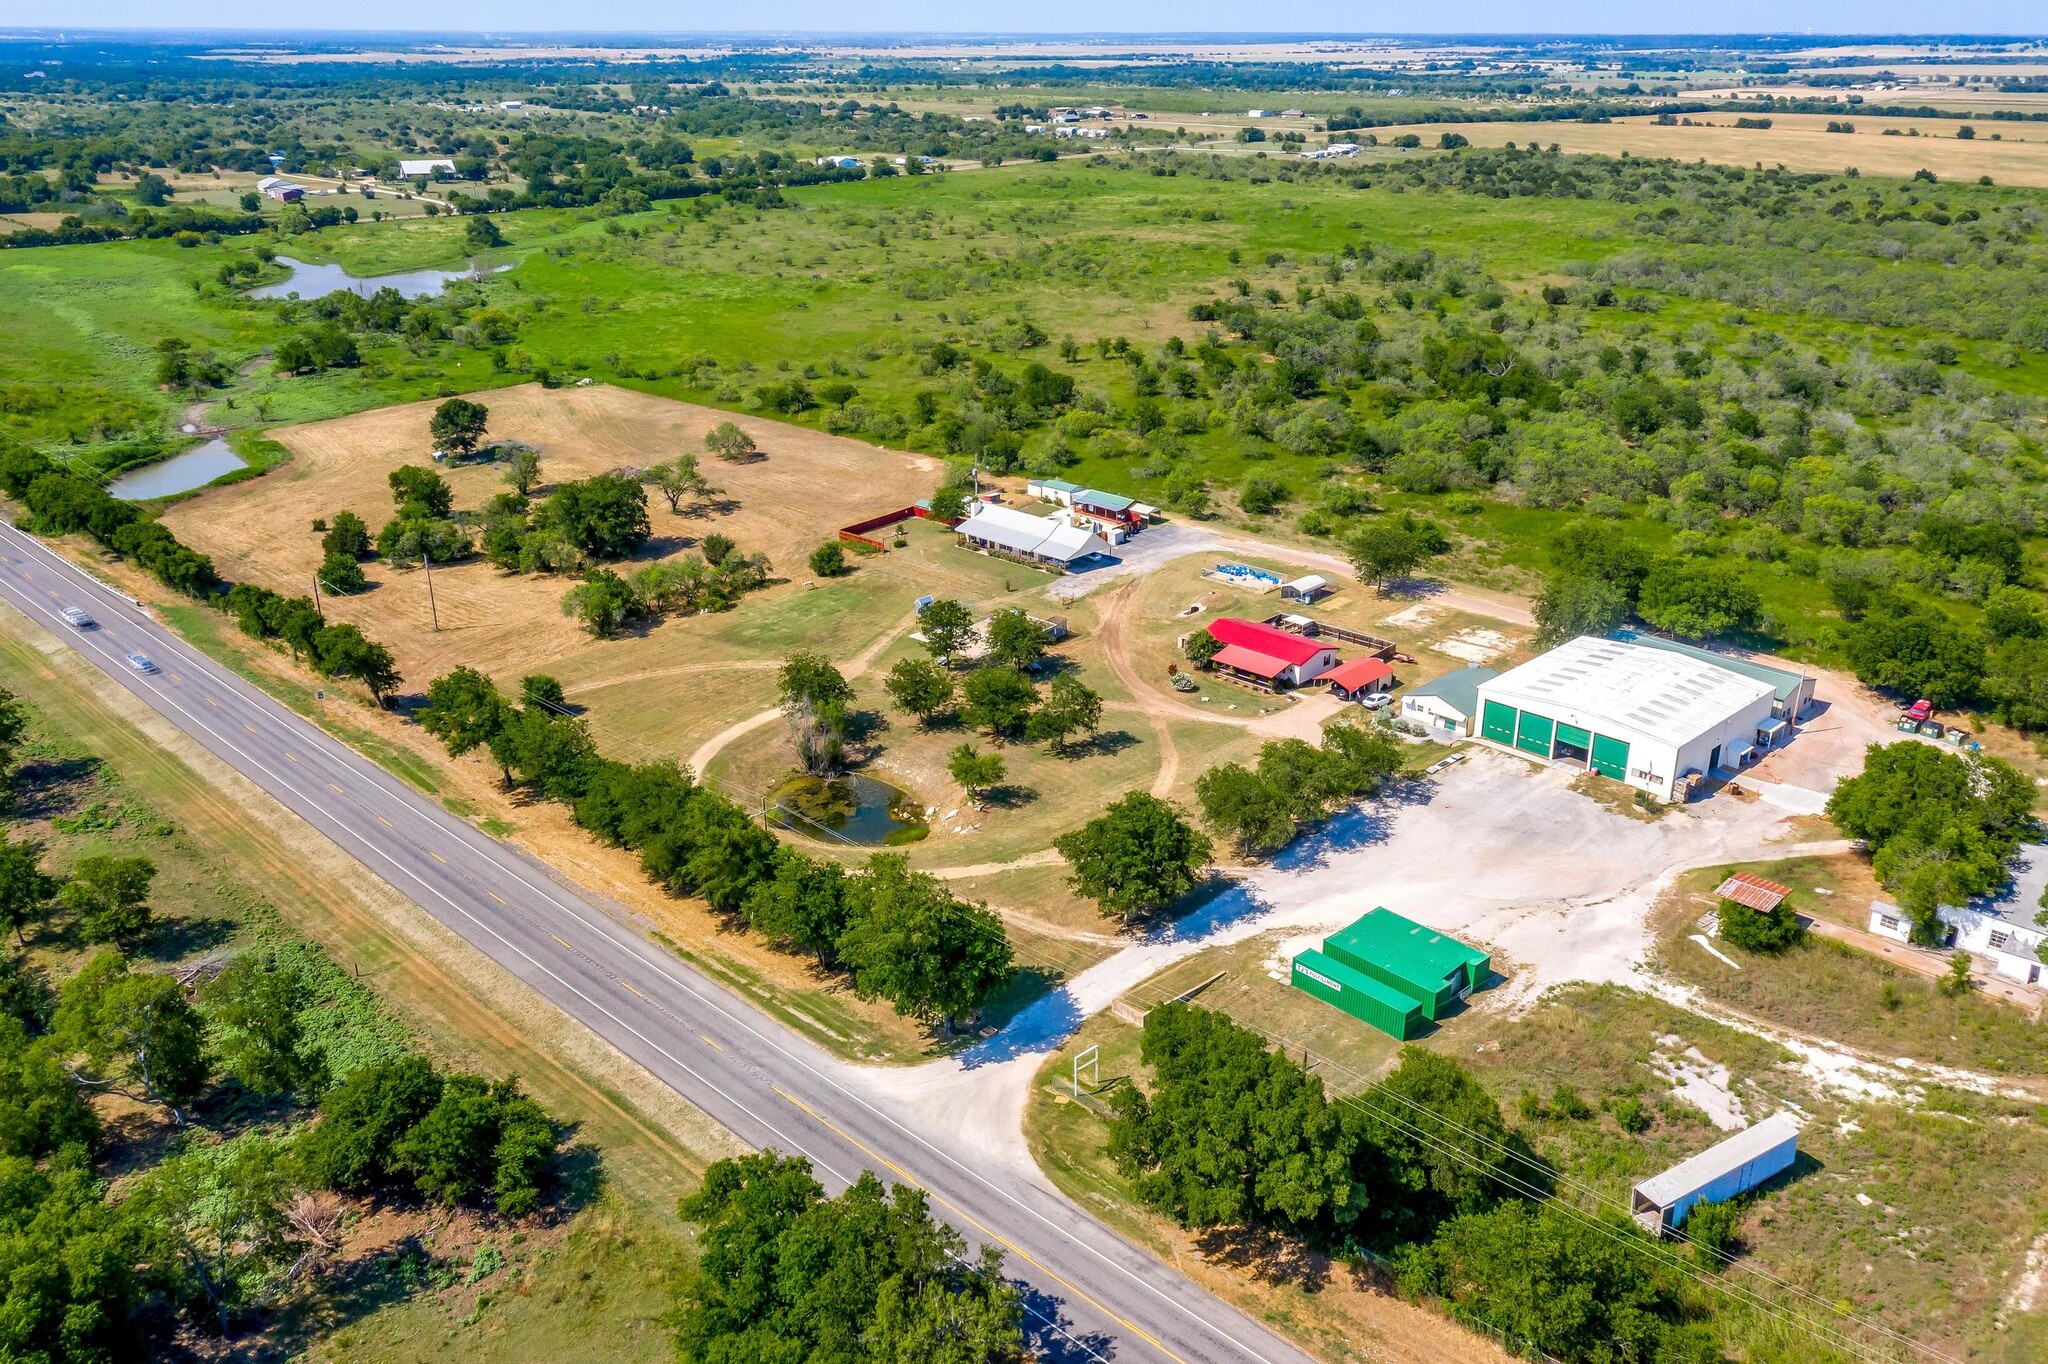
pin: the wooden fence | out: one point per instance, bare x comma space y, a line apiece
857, 532
1382, 649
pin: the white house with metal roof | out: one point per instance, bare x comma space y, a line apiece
1655, 718
1039, 539
1448, 704
1999, 928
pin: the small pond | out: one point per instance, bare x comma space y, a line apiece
853, 808
196, 468
317, 281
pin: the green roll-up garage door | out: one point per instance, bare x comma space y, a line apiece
1610, 757
1499, 724
1532, 734
1573, 735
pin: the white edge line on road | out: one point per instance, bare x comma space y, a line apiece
517, 872
552, 893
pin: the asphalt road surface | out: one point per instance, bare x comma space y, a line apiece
1090, 1295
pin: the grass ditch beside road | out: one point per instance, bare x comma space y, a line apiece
235, 869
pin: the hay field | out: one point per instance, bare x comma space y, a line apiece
783, 505
1796, 141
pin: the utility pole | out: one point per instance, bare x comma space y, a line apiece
430, 591
316, 598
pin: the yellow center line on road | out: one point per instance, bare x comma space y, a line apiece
385, 822
336, 789
176, 678
709, 1043
495, 896
211, 702
437, 857
246, 725
290, 756
563, 941
1004, 1242
629, 985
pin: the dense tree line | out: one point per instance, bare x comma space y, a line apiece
1420, 1169
897, 933
62, 503
868, 1276
1295, 782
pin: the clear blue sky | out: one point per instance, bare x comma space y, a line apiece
1127, 16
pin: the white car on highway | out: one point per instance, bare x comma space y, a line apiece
141, 663
78, 619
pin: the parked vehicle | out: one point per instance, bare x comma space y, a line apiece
77, 619
141, 663
1376, 700
1920, 710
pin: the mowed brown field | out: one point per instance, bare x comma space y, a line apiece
784, 505
1798, 142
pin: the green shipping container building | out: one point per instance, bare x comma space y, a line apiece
1413, 959
1386, 1008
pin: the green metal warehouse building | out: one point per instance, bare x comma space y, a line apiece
1391, 972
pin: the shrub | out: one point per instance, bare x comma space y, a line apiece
828, 561
1710, 1227
1753, 931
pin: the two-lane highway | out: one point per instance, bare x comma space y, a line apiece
1093, 1294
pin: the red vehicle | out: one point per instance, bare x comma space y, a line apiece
1920, 710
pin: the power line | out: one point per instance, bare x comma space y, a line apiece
1534, 1192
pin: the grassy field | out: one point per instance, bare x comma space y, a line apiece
840, 287
784, 505
598, 1287
1879, 146
1905, 1215
1825, 988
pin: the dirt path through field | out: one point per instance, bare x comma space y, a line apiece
855, 667
1498, 605
1044, 857
1148, 702
1302, 720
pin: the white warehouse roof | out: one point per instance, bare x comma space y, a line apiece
1036, 536
1662, 695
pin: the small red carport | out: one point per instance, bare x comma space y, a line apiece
1359, 677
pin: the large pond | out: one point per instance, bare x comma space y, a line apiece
851, 809
317, 281
196, 468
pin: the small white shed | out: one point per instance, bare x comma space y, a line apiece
1307, 589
